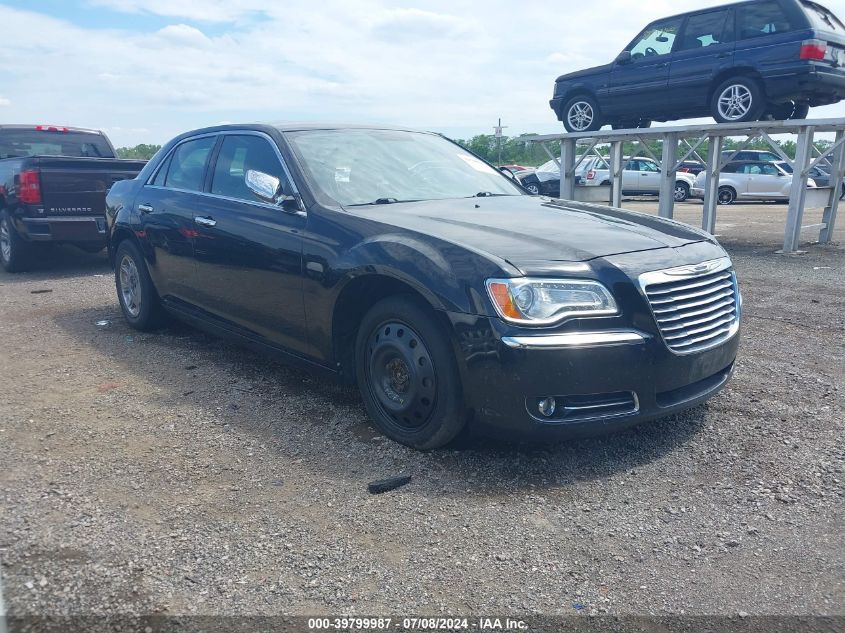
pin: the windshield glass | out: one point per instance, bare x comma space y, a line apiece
822, 18
359, 166
17, 142
550, 166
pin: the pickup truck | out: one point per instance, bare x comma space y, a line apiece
53, 184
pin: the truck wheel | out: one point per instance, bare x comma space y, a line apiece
681, 191
801, 111
726, 195
737, 100
407, 374
14, 250
581, 114
135, 291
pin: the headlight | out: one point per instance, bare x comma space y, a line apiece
547, 301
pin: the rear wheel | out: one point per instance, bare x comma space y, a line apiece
15, 252
727, 195
801, 111
407, 374
681, 191
581, 114
138, 298
737, 100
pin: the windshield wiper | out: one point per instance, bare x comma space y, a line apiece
380, 201
490, 194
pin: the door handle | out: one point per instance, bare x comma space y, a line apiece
202, 221
145, 208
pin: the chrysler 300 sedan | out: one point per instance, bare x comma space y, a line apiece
396, 260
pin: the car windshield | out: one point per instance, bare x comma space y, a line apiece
370, 166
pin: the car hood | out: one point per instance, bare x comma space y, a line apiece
528, 229
586, 71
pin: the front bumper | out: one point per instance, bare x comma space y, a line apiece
602, 381
695, 192
69, 229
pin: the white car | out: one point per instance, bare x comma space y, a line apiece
750, 180
640, 176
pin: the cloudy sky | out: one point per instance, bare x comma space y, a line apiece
144, 70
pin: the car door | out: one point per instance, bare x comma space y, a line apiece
649, 176
757, 184
638, 85
249, 251
166, 206
770, 181
705, 48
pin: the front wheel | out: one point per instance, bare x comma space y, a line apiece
15, 252
533, 189
581, 114
738, 100
726, 195
138, 298
407, 374
681, 191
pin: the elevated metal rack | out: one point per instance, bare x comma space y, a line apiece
686, 141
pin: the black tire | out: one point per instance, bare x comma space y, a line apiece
581, 114
532, 188
842, 195
15, 252
750, 102
726, 195
407, 374
681, 193
140, 303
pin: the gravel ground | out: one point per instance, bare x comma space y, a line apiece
173, 473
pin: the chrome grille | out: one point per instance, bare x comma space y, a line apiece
693, 310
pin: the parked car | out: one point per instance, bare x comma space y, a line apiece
751, 154
515, 168
640, 176
738, 62
545, 180
693, 167
749, 180
397, 260
53, 183
819, 176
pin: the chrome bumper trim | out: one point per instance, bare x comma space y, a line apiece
63, 218
571, 340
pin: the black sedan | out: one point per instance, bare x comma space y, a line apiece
399, 261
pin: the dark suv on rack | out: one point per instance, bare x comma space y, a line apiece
738, 62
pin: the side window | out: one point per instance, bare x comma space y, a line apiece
769, 170
238, 155
753, 170
760, 19
657, 39
705, 29
647, 165
161, 175
187, 165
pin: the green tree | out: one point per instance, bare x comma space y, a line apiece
139, 152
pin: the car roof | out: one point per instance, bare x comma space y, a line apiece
728, 5
33, 126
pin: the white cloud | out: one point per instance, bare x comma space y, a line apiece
447, 65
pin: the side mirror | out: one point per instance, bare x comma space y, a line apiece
507, 172
265, 186
624, 57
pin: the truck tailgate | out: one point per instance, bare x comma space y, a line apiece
78, 186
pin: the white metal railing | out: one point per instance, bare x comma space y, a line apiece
689, 139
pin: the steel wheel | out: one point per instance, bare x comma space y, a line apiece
5, 240
726, 195
130, 286
735, 102
401, 375
581, 116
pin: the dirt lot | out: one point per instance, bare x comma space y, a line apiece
173, 473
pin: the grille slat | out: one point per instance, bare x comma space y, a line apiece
694, 312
